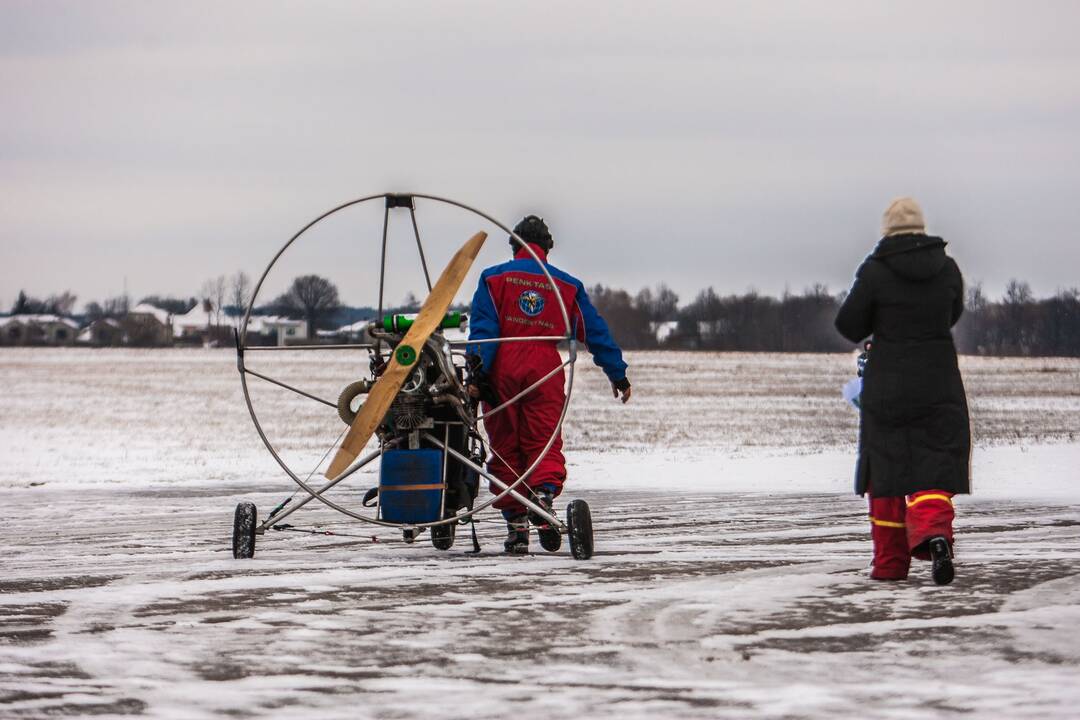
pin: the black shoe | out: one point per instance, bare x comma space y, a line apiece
550, 538
941, 555
517, 535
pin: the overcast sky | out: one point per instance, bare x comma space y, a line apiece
738, 145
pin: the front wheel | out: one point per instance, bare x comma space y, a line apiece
243, 533
442, 536
579, 529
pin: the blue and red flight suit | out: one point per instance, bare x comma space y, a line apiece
515, 299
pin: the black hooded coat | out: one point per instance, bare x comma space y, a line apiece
914, 434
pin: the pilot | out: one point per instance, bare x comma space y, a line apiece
515, 299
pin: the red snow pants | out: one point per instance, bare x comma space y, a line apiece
900, 528
519, 433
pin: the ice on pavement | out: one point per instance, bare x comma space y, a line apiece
729, 580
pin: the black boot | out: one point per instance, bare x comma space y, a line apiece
550, 538
941, 556
517, 535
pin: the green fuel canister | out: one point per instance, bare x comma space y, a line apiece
401, 323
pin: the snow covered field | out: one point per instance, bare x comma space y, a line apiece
729, 579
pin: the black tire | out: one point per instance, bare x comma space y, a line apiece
550, 538
243, 532
579, 529
344, 401
442, 536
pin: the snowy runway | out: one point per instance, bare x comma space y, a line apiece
729, 581
759, 607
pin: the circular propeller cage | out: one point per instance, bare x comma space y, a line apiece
406, 201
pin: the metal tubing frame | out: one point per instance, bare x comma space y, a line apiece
521, 244
523, 393
488, 341
507, 489
382, 275
298, 391
340, 346
268, 522
419, 246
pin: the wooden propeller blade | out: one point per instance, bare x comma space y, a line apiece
389, 383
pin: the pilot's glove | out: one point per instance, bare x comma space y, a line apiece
477, 382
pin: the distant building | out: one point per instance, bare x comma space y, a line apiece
357, 332
665, 331
103, 332
276, 330
37, 330
352, 333
194, 327
148, 326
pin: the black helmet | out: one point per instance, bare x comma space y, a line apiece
532, 229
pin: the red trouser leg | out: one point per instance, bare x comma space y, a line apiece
891, 555
519, 433
506, 461
539, 421
929, 514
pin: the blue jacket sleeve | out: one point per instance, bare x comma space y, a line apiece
483, 324
605, 351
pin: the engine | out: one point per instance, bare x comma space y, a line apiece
432, 402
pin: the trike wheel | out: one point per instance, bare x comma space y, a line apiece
579, 529
243, 538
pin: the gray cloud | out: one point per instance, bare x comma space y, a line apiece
699, 143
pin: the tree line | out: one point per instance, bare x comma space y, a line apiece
1016, 324
312, 298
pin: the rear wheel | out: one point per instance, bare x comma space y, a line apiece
243, 534
442, 536
579, 529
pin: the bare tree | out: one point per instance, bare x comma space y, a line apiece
93, 311
213, 292
411, 303
1018, 306
240, 295
206, 293
665, 303
976, 300
1018, 292
117, 307
111, 309
311, 297
61, 304
221, 294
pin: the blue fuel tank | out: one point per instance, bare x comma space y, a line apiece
411, 486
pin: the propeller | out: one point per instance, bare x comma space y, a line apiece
405, 355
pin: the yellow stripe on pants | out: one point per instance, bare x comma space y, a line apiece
886, 523
919, 499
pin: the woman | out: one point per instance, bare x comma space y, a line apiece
914, 438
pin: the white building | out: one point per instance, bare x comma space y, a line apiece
664, 330
148, 326
277, 329
193, 324
39, 329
